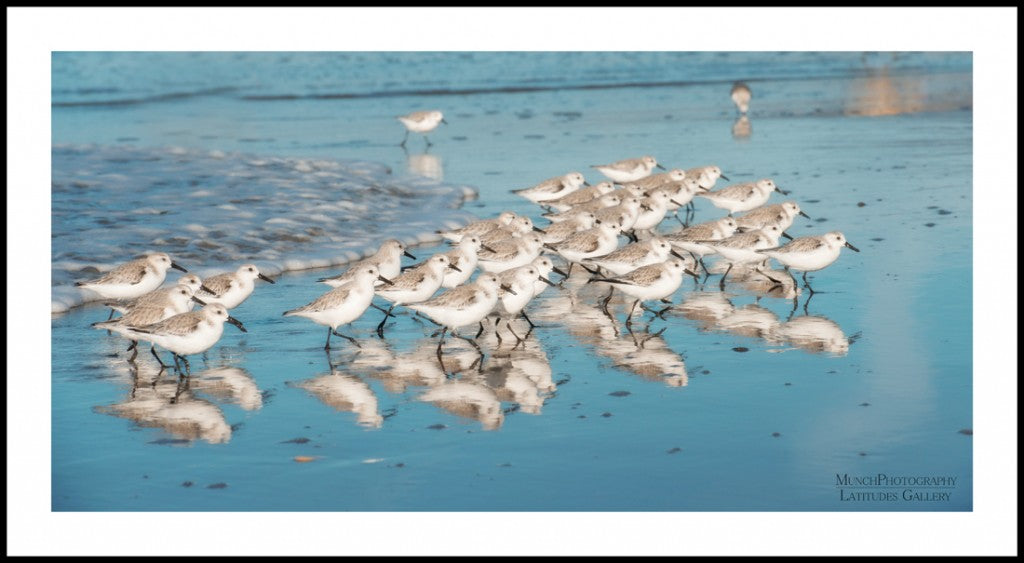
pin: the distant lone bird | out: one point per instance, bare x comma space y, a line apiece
741, 96
421, 122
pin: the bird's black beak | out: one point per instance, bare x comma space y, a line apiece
853, 248
660, 166
560, 272
804, 214
198, 300
454, 267
385, 280
443, 121
724, 177
549, 247
694, 274
207, 290
178, 267
487, 248
409, 254
781, 191
539, 230
508, 289
676, 202
547, 281
237, 323
265, 278
676, 254
785, 234
586, 183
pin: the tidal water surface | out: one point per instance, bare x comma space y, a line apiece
743, 402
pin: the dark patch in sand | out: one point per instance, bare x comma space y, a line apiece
674, 451
865, 404
966, 431
945, 212
217, 486
606, 414
296, 441
437, 427
620, 393
741, 349
861, 204
776, 434
929, 224
187, 484
170, 441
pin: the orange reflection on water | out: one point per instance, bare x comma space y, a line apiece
883, 94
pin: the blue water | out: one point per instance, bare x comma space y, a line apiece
579, 419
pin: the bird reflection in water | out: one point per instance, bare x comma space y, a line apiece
231, 384
467, 399
741, 128
815, 334
425, 164
346, 393
168, 403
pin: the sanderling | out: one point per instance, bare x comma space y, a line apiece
520, 225
557, 232
681, 194
742, 197
553, 188
479, 227
624, 214
133, 279
158, 297
628, 170
188, 333
656, 180
706, 176
654, 281
464, 258
780, 214
741, 96
171, 301
598, 241
421, 122
388, 260
511, 303
689, 239
342, 304
232, 288
653, 210
594, 205
544, 267
462, 306
633, 256
742, 248
809, 254
577, 197
511, 253
414, 285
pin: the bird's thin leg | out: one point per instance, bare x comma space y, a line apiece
380, 327
177, 367
440, 343
523, 313
404, 139
152, 350
481, 331
328, 345
721, 284
188, 368
135, 350
349, 338
508, 325
807, 284
429, 144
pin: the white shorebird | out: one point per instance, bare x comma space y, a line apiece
342, 304
690, 239
742, 248
387, 259
706, 176
158, 297
682, 194
132, 279
652, 210
511, 253
780, 215
594, 205
479, 227
463, 306
172, 301
421, 122
232, 288
465, 259
628, 170
742, 197
591, 243
577, 197
553, 188
624, 214
511, 304
557, 232
520, 225
544, 267
630, 257
416, 284
654, 281
188, 333
741, 96
809, 254
673, 176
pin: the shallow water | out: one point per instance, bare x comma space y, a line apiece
736, 406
